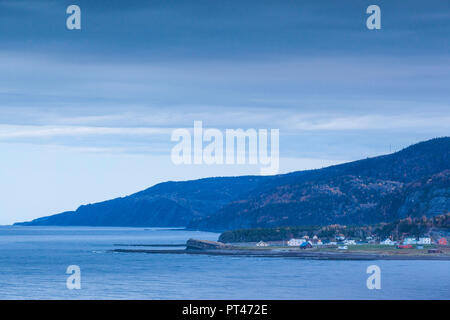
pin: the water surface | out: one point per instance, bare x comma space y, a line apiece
33, 262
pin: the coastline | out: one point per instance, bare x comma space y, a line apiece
291, 254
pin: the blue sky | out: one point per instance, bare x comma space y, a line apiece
86, 115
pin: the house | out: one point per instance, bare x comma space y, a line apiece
316, 240
340, 237
407, 241
305, 245
424, 240
295, 242
387, 242
443, 242
262, 244
404, 246
349, 242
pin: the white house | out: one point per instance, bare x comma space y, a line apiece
424, 240
295, 242
388, 242
409, 241
349, 242
262, 244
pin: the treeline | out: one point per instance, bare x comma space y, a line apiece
412, 227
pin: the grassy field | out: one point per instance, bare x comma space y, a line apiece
383, 249
361, 248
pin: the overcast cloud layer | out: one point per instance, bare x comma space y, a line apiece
87, 115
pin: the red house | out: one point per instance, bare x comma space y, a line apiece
443, 242
404, 246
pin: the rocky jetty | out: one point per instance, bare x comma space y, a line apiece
193, 244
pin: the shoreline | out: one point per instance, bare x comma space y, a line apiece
148, 245
290, 254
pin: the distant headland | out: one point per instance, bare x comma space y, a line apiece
411, 183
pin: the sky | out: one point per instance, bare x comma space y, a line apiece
86, 115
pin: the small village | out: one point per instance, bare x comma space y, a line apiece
341, 243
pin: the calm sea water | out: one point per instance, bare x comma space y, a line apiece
33, 262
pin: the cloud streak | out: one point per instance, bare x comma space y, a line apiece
11, 132
289, 123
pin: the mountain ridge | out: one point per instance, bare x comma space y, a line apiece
370, 190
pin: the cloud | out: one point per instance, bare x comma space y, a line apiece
371, 122
11, 132
288, 121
